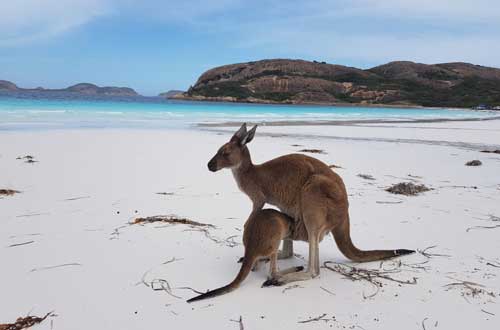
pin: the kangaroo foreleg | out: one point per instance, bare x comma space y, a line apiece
287, 249
311, 272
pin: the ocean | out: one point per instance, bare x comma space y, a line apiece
28, 111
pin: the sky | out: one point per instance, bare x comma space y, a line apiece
157, 45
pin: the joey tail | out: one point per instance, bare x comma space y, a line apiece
342, 237
245, 269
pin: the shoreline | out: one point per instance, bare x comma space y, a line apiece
229, 99
346, 122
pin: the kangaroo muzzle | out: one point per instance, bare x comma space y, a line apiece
212, 165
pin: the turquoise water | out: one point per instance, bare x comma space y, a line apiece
17, 113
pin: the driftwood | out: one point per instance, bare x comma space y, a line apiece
24, 322
407, 189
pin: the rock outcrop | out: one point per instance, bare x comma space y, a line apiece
395, 83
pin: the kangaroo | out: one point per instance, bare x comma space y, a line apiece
305, 189
262, 236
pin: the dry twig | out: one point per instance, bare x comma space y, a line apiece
491, 218
469, 289
19, 244
57, 266
371, 276
423, 323
240, 322
430, 255
315, 319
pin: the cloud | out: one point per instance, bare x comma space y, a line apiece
27, 21
369, 31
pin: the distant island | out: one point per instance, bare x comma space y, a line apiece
171, 93
401, 83
82, 88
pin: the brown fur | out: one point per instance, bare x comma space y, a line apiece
262, 235
302, 187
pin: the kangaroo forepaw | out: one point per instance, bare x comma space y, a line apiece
240, 260
272, 282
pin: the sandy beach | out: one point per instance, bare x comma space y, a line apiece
67, 244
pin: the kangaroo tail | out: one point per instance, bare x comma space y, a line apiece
245, 269
342, 237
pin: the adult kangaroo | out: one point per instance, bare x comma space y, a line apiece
305, 189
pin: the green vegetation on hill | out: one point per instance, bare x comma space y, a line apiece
297, 81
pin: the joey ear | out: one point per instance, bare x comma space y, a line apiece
240, 134
249, 137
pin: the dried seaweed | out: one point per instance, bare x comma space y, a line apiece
407, 189
172, 219
470, 289
372, 276
313, 151
27, 159
366, 176
25, 322
8, 192
474, 162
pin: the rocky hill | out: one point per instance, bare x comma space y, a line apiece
83, 88
395, 83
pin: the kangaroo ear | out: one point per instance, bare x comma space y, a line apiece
249, 137
240, 134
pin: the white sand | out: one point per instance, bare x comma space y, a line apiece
122, 170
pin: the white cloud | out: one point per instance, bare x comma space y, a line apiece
437, 9
370, 31
25, 21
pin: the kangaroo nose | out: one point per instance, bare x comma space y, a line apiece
212, 166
